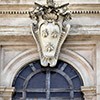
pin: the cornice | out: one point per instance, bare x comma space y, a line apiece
15, 12
85, 12
23, 9
23, 29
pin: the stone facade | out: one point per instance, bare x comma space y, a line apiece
81, 49
43, 1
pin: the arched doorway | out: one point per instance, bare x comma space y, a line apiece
33, 82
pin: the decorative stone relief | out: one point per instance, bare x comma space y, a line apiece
50, 28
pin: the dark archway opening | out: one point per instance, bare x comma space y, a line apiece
33, 82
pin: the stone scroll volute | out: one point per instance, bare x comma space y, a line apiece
50, 28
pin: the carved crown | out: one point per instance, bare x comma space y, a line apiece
50, 11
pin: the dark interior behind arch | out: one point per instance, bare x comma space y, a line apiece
34, 82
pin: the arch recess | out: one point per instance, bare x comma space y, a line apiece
78, 62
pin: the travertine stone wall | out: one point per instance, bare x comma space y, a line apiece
43, 1
81, 48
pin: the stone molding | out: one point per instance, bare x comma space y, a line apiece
15, 12
79, 63
89, 92
26, 30
85, 12
6, 93
18, 17
23, 9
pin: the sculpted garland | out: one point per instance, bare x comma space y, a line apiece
50, 28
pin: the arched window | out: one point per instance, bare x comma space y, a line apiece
34, 82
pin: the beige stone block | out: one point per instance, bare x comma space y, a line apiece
89, 92
6, 93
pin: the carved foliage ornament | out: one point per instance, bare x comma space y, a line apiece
50, 28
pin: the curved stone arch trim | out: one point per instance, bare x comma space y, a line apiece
16, 64
79, 63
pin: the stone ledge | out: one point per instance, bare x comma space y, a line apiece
6, 90
26, 30
6, 93
23, 9
29, 40
89, 92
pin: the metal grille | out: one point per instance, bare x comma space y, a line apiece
34, 82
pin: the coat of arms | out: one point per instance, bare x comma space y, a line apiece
50, 28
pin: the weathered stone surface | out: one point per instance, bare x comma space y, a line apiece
81, 49
58, 1
15, 19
